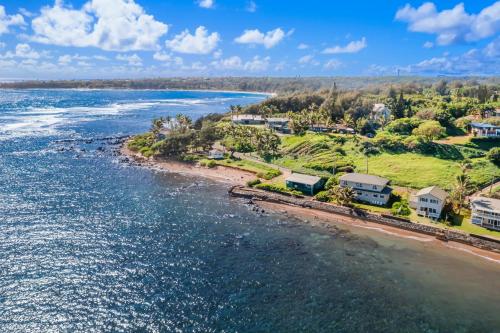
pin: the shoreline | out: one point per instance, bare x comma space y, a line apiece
234, 177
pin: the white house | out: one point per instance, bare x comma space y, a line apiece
216, 154
368, 188
486, 212
248, 119
380, 112
484, 130
278, 124
429, 202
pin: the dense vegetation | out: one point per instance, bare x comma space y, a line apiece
262, 84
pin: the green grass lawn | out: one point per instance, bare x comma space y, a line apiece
248, 165
405, 169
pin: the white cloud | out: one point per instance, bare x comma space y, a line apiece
303, 46
251, 7
452, 25
65, 59
332, 64
428, 45
308, 60
352, 47
268, 39
23, 51
473, 62
230, 63
168, 59
116, 25
257, 64
133, 60
199, 43
206, 3
217, 54
7, 21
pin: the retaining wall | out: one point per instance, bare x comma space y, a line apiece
442, 234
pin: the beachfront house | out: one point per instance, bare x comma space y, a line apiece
216, 154
380, 113
367, 188
491, 113
486, 212
248, 119
305, 183
485, 130
344, 129
429, 202
278, 124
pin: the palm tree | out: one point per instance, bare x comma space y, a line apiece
156, 127
342, 195
462, 187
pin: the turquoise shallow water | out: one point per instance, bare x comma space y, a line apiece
91, 244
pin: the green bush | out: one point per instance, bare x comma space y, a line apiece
190, 158
253, 182
323, 196
270, 174
333, 180
141, 141
494, 155
146, 152
277, 189
211, 164
401, 208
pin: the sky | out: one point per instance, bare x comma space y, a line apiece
88, 39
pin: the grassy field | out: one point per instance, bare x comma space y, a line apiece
251, 166
305, 153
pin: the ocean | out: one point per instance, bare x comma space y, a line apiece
91, 244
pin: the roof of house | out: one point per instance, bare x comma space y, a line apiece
216, 151
483, 125
278, 120
434, 191
379, 107
365, 179
303, 179
486, 203
247, 117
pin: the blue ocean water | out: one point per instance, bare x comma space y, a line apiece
91, 244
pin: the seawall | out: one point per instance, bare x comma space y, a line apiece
439, 233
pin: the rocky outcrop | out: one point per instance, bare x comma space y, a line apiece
439, 233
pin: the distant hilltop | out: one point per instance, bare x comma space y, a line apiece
251, 84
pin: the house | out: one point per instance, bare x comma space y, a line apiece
321, 128
248, 119
278, 124
486, 212
491, 113
368, 188
344, 129
380, 112
216, 154
484, 130
429, 202
304, 183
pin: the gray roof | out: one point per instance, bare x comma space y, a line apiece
278, 120
364, 179
434, 191
484, 203
303, 179
483, 125
246, 117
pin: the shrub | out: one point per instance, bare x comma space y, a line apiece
270, 174
323, 196
494, 155
146, 152
190, 158
253, 182
401, 208
333, 180
277, 189
211, 164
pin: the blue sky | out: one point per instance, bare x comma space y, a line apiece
43, 39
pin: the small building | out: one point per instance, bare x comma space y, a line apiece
344, 129
278, 124
368, 188
216, 154
304, 183
485, 130
491, 113
429, 202
486, 212
248, 119
380, 112
321, 128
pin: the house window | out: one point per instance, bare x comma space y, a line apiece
382, 196
434, 201
375, 195
423, 199
374, 187
359, 185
